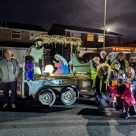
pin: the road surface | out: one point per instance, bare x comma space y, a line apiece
80, 119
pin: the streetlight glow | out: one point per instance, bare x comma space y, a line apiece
108, 30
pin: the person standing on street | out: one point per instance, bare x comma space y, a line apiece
9, 69
104, 58
94, 63
124, 64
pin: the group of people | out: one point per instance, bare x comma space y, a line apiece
114, 82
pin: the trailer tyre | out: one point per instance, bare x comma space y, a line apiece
47, 97
68, 96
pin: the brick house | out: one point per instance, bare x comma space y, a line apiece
18, 37
92, 38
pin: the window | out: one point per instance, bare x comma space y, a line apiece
15, 34
31, 35
100, 38
90, 37
75, 34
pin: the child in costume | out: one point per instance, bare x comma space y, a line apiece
130, 74
115, 73
117, 92
131, 83
129, 100
123, 98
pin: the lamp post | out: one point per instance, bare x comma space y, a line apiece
104, 31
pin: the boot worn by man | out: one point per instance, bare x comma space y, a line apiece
13, 106
5, 105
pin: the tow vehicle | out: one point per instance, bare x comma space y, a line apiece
130, 54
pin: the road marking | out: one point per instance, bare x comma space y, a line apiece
113, 129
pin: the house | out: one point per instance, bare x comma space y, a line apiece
18, 37
92, 38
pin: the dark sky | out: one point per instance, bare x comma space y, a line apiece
121, 14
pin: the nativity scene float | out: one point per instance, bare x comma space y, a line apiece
63, 80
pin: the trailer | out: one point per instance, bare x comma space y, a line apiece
47, 88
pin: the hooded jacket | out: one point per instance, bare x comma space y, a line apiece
124, 64
9, 70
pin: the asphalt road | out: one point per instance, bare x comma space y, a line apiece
81, 119
29, 105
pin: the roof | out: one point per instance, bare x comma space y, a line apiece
133, 42
15, 44
55, 27
21, 26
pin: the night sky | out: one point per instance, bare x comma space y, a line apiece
121, 14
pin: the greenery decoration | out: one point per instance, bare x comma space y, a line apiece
42, 39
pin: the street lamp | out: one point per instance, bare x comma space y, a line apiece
104, 31
108, 30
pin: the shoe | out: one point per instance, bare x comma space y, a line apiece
5, 105
128, 115
123, 110
13, 106
112, 105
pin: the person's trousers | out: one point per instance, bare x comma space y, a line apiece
9, 86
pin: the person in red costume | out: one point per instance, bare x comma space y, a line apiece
123, 97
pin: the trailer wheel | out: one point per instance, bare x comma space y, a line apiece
46, 97
68, 96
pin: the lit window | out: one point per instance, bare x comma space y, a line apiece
90, 37
15, 34
75, 34
100, 38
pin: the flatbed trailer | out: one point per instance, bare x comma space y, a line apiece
47, 88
